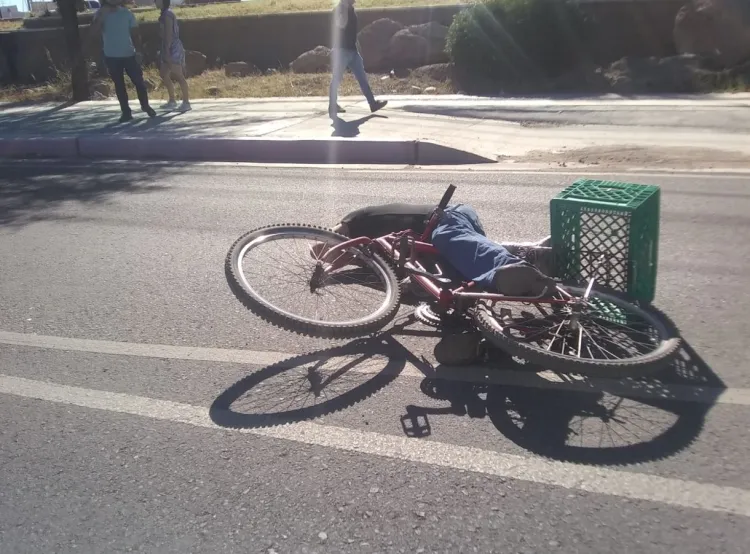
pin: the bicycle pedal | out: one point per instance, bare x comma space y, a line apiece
506, 316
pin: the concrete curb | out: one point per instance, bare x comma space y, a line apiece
254, 150
58, 147
432, 153
259, 150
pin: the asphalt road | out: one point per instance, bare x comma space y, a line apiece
120, 343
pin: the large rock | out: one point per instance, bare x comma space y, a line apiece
407, 50
436, 36
441, 72
316, 60
374, 41
195, 63
588, 78
650, 75
716, 29
101, 88
239, 69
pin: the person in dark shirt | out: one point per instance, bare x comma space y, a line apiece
345, 54
121, 44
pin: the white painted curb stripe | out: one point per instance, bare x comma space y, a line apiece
222, 355
637, 486
471, 374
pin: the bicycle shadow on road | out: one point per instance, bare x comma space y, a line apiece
565, 418
587, 421
311, 385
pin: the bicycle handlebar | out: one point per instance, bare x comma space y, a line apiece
446, 197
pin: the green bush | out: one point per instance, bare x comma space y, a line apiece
516, 40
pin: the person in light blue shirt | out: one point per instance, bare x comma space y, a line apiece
120, 37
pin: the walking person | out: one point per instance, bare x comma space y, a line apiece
122, 45
345, 54
172, 57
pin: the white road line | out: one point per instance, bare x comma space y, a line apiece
525, 169
638, 486
144, 350
472, 374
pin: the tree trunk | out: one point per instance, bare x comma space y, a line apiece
79, 75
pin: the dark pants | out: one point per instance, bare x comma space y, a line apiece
341, 59
117, 68
460, 239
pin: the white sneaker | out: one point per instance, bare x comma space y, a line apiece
171, 105
185, 107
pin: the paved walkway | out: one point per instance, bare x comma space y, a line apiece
688, 131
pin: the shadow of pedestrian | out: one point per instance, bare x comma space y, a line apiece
144, 122
350, 129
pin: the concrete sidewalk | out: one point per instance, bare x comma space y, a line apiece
671, 132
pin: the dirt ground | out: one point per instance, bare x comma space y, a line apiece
607, 157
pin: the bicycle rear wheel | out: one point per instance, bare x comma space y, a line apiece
602, 336
277, 273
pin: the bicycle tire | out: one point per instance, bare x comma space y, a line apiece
270, 313
647, 364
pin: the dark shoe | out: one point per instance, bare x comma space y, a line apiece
540, 257
124, 118
378, 105
523, 279
333, 111
460, 349
150, 111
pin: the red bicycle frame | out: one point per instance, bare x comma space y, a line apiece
419, 245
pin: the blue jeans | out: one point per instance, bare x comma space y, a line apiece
117, 68
461, 240
342, 59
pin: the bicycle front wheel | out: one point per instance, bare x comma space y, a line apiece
599, 335
277, 273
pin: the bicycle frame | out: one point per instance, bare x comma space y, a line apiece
447, 298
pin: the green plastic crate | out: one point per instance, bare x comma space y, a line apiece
609, 231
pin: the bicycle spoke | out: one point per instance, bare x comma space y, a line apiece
605, 331
285, 271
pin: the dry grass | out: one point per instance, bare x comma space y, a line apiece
214, 84
255, 7
725, 81
291, 84
12, 25
58, 89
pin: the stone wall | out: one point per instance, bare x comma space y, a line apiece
626, 28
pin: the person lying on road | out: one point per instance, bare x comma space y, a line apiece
513, 269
